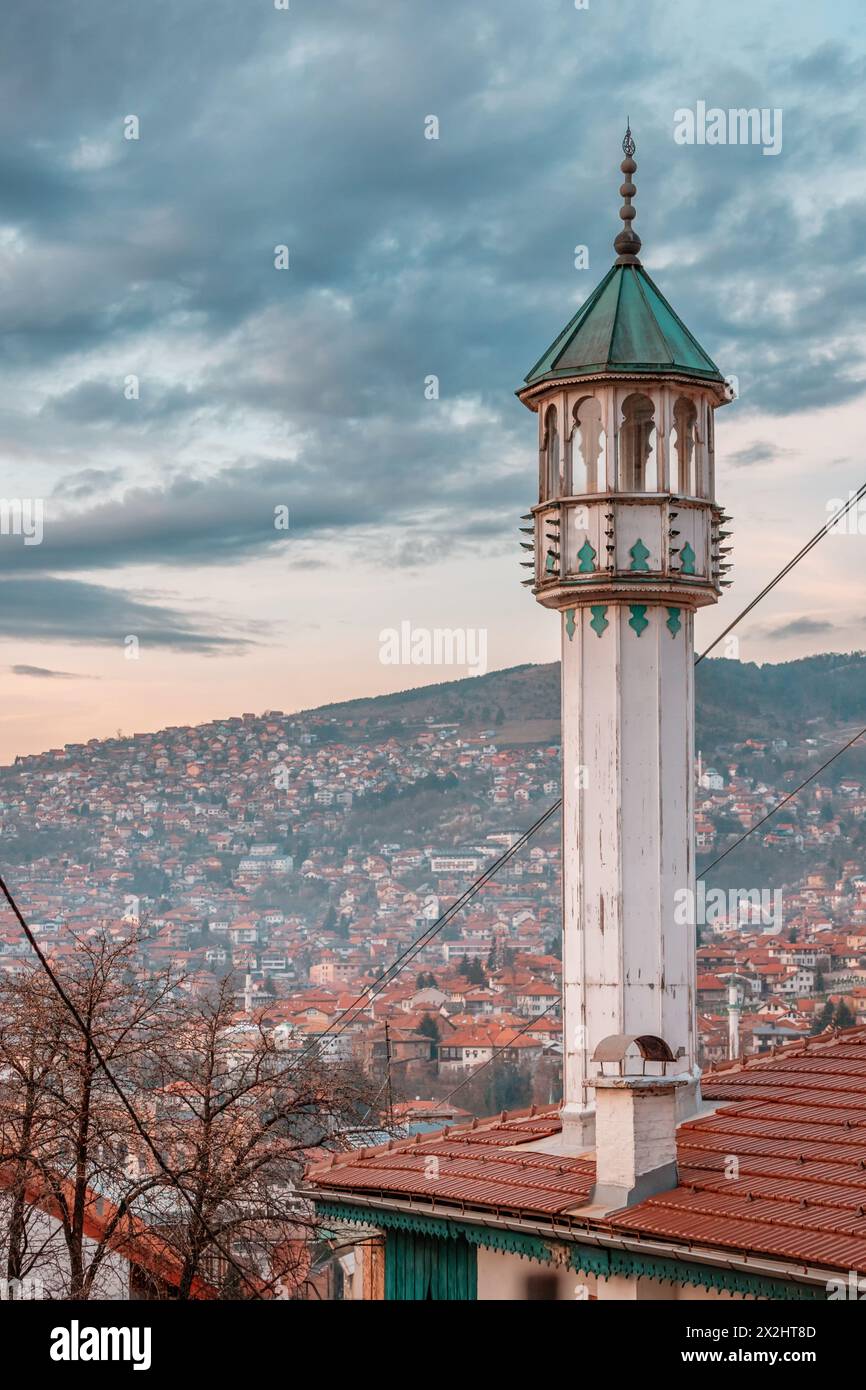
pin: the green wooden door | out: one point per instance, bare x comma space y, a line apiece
427, 1267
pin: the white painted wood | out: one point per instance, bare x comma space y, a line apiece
627, 723
628, 743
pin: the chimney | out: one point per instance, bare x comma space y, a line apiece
635, 1120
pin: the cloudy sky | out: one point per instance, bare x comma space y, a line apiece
166, 391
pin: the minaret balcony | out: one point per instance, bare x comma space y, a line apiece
652, 546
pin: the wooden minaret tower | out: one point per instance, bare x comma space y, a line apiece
628, 542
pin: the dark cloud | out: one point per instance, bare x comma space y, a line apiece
231, 516
69, 610
800, 627
86, 483
762, 451
43, 673
106, 402
408, 257
755, 453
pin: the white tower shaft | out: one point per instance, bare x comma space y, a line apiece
628, 924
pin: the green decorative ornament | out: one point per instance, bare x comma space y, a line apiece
586, 556
598, 622
639, 556
638, 619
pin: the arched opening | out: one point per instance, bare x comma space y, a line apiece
685, 422
637, 454
587, 446
551, 454
706, 483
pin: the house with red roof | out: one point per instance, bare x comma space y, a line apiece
788, 1225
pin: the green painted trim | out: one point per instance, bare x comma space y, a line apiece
550, 562
674, 621
598, 622
492, 1237
626, 577
709, 1276
588, 1259
420, 1267
638, 620
639, 555
587, 557
569, 622
688, 559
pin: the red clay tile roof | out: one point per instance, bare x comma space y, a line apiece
795, 1122
797, 1127
477, 1166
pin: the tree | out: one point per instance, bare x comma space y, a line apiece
237, 1116
73, 1133
499, 1086
475, 974
824, 1019
28, 1055
330, 919
843, 1017
430, 1029
229, 1114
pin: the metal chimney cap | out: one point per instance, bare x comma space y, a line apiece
618, 1046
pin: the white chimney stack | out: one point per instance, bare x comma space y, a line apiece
635, 1121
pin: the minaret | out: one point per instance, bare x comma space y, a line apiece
628, 543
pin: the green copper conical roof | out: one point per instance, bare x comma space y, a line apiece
626, 325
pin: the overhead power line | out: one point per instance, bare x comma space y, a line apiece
785, 799
348, 1015
457, 906
70, 1006
801, 554
752, 828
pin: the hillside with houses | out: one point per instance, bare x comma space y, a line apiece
301, 854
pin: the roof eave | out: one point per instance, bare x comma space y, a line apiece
583, 1231
532, 391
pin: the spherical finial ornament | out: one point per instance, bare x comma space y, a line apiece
627, 244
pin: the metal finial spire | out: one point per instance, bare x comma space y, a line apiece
627, 243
